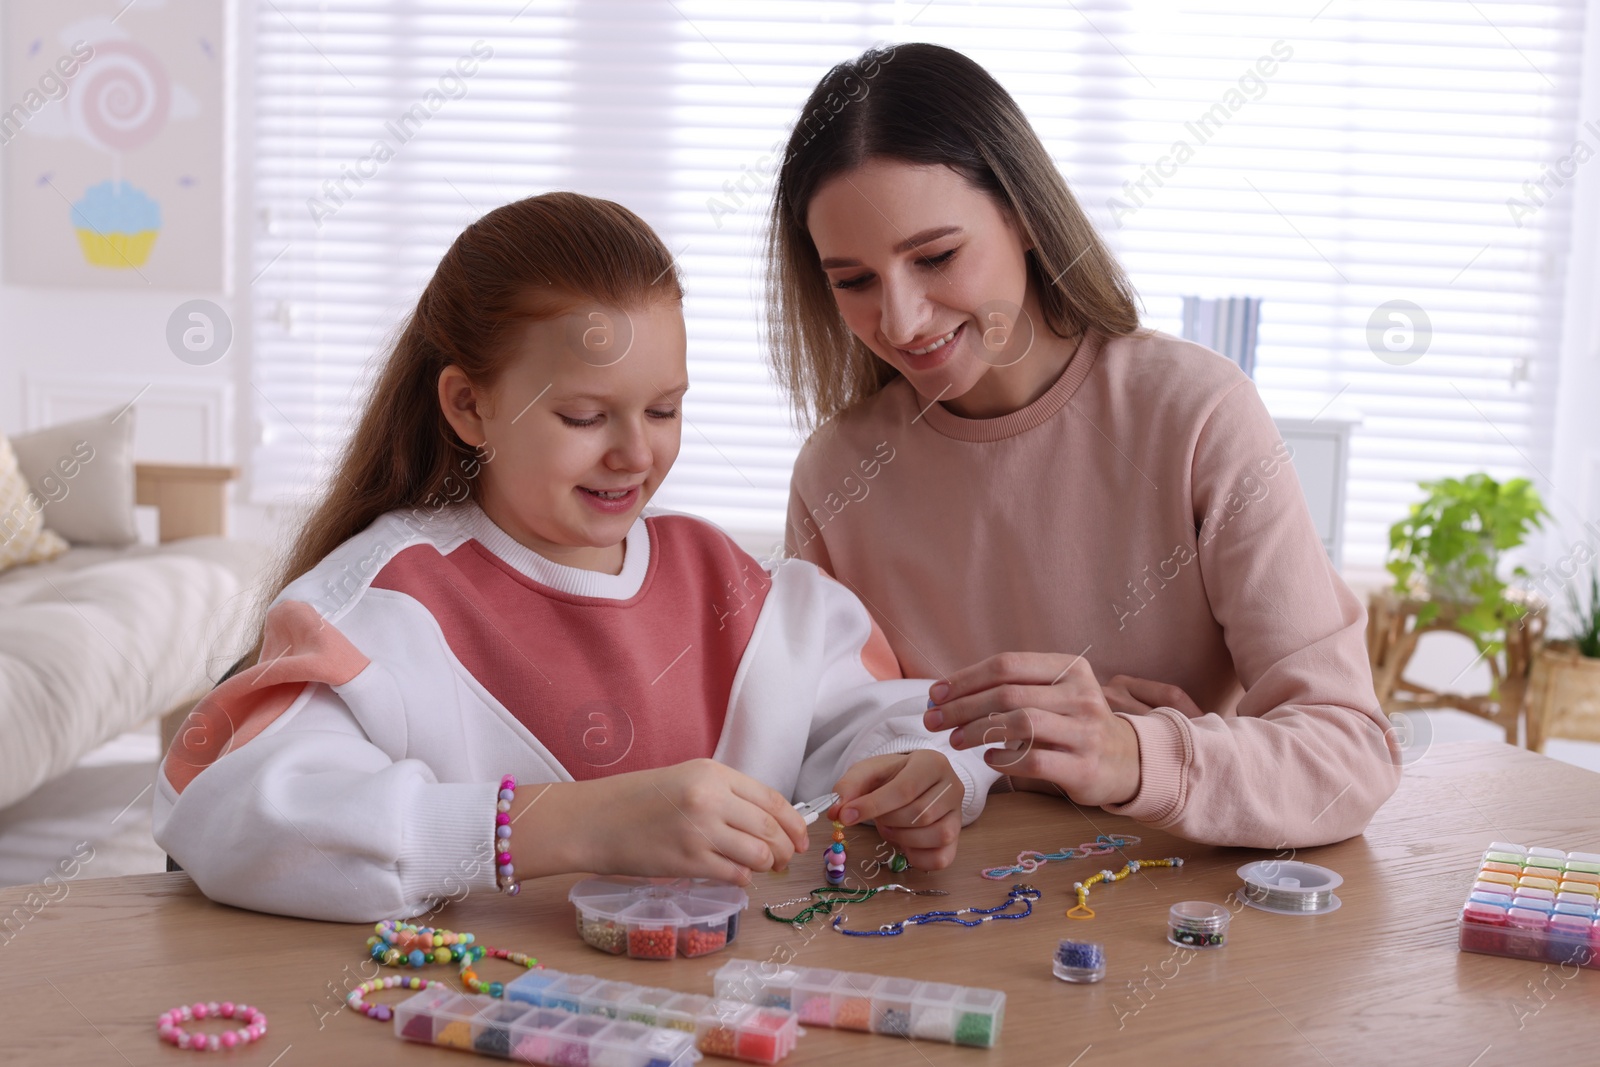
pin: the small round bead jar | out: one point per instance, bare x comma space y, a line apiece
1079, 961
1197, 924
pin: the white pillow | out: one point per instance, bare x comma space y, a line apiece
83, 471
23, 538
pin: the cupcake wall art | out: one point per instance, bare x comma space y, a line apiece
112, 131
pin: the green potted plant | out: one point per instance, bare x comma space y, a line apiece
1446, 552
1564, 699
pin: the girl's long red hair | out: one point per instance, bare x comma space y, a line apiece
527, 261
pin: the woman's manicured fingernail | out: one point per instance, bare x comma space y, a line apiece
933, 719
956, 737
849, 815
939, 691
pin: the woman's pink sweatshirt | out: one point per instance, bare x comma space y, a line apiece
1143, 513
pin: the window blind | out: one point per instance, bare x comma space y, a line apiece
1331, 160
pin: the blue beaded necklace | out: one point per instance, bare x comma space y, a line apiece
1023, 894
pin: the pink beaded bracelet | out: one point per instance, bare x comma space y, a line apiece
505, 874
169, 1025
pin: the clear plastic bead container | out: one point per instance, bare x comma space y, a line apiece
1534, 904
905, 1007
725, 1027
655, 918
746, 1032
520, 1031
1198, 924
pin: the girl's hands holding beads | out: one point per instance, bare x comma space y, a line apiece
698, 819
1053, 718
916, 799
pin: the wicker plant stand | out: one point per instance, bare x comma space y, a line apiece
1392, 636
1564, 696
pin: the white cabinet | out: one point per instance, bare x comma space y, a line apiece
1321, 450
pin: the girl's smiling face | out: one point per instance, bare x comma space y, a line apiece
931, 274
579, 431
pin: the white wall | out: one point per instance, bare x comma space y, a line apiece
66, 353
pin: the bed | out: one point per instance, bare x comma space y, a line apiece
99, 640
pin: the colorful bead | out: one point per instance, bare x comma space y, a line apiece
834, 860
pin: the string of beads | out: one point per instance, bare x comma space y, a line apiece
1082, 911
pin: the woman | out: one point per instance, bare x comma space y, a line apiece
1090, 532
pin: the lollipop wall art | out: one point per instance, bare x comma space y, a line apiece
113, 143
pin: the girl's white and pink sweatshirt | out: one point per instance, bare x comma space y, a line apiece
351, 773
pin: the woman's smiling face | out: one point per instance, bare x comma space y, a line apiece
931, 273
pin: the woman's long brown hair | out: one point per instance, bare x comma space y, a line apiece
924, 105
526, 261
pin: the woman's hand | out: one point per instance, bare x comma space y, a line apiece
916, 799
1053, 718
698, 819
1134, 696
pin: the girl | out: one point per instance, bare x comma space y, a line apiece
478, 597
1107, 505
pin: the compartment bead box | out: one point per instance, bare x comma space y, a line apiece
845, 1000
657, 919
729, 1028
438, 1016
1534, 903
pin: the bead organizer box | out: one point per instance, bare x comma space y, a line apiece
730, 1028
534, 1035
657, 919
870, 1003
1534, 903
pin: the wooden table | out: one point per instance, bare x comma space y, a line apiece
1379, 980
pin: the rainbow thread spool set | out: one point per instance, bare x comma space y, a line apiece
656, 918
869, 1003
1534, 903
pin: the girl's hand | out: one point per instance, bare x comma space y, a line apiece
1051, 715
916, 799
698, 819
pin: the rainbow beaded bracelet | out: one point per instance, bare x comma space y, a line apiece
396, 943
470, 979
357, 997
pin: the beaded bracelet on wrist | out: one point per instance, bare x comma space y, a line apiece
505, 874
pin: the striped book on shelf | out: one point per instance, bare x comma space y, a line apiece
1226, 324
